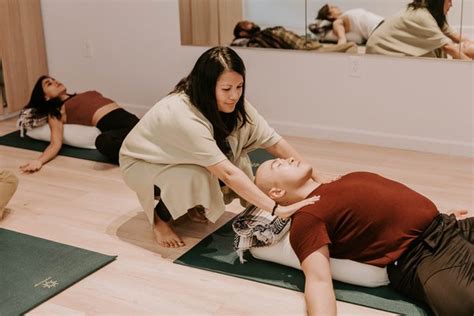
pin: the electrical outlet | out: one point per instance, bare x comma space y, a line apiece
355, 66
87, 50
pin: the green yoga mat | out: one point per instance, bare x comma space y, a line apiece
32, 270
14, 140
257, 157
215, 253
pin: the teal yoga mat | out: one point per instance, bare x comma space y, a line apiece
257, 157
14, 140
215, 253
32, 269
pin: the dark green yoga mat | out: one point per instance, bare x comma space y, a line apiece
32, 270
14, 140
215, 253
258, 156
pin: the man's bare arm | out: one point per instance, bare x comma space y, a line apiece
319, 292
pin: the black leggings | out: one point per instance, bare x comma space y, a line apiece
438, 268
114, 126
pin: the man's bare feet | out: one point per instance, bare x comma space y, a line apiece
197, 214
166, 236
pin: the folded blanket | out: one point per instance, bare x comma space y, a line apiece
255, 227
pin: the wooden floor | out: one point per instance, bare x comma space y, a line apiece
86, 204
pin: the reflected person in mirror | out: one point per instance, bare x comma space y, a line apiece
249, 34
368, 218
421, 30
359, 23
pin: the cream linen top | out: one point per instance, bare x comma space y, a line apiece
174, 132
411, 33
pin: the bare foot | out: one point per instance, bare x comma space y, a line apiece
166, 236
197, 214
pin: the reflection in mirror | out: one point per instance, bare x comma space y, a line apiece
393, 29
279, 24
467, 28
335, 22
263, 23
346, 26
208, 22
257, 28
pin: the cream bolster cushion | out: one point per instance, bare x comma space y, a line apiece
73, 135
347, 271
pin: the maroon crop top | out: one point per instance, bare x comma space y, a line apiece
80, 108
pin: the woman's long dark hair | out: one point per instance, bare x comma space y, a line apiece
40, 104
436, 8
200, 86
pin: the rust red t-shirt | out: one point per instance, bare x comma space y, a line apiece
363, 217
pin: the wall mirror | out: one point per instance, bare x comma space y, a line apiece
212, 22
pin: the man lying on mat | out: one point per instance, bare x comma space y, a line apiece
367, 218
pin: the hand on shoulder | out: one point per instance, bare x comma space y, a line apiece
287, 211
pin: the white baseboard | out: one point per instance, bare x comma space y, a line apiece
356, 136
375, 138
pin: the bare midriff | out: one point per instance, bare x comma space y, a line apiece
103, 111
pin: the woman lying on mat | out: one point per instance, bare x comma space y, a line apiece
370, 219
89, 108
197, 135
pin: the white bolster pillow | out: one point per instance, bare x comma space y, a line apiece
347, 271
81, 136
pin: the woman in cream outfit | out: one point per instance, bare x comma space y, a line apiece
420, 31
197, 135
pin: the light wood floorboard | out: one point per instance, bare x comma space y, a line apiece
86, 204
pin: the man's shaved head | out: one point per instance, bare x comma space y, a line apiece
283, 174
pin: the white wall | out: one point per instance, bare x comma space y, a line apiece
137, 58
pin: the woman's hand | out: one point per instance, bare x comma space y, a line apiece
56, 127
32, 166
459, 214
323, 180
287, 211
